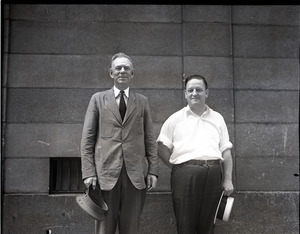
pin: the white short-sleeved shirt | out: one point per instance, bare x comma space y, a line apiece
190, 136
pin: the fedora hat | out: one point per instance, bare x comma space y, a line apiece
93, 203
224, 208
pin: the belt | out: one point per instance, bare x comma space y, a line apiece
202, 162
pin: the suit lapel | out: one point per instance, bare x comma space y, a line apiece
131, 105
110, 102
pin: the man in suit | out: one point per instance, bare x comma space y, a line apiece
118, 149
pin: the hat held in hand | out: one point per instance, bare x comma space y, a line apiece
224, 207
93, 203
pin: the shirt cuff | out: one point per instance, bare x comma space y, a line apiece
165, 140
226, 146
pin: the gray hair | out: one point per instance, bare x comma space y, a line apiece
121, 55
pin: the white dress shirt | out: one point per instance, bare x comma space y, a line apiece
118, 95
190, 136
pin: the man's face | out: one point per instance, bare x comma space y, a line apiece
121, 71
195, 93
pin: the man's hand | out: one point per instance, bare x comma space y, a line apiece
228, 187
227, 168
90, 180
151, 182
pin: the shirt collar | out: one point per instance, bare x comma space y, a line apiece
117, 91
190, 112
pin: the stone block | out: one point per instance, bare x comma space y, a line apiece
262, 213
207, 39
265, 41
267, 15
4, 70
61, 214
5, 35
264, 73
158, 215
268, 173
259, 140
230, 127
154, 72
163, 181
26, 175
94, 38
221, 100
97, 12
252, 212
69, 105
6, 11
163, 102
217, 70
47, 105
157, 127
207, 13
83, 71
231, 132
42, 140
163, 184
59, 71
36, 214
3, 104
266, 106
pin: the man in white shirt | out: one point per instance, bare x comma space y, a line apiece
194, 143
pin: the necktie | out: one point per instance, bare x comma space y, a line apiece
122, 106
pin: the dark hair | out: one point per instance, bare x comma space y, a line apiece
120, 55
195, 76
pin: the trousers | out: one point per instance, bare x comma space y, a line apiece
196, 190
125, 205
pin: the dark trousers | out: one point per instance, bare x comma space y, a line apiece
196, 190
125, 205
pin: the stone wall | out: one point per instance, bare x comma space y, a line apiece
56, 56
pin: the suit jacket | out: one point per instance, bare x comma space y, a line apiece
107, 142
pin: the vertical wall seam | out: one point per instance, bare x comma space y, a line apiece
182, 52
233, 93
